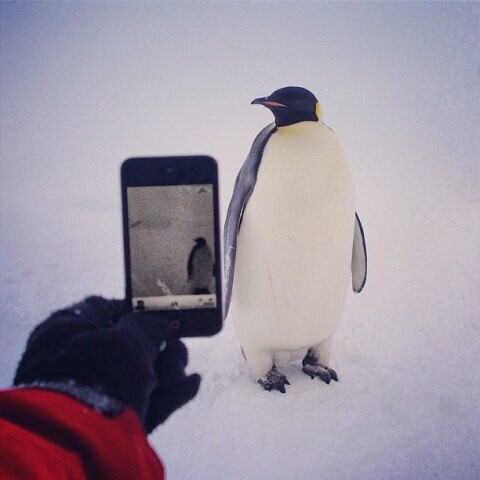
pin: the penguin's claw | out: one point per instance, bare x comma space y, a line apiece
323, 373
274, 380
333, 374
314, 369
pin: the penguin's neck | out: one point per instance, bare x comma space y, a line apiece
301, 125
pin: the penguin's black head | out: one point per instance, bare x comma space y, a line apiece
200, 241
291, 105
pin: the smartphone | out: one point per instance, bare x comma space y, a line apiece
172, 241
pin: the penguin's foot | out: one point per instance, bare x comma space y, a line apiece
314, 369
274, 380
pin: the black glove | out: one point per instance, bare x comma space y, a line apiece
128, 356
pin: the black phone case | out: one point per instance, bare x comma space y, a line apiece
165, 171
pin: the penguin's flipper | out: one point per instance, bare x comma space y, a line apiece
242, 191
359, 257
190, 262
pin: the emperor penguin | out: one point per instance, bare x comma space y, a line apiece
293, 242
200, 267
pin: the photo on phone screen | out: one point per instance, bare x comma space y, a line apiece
171, 232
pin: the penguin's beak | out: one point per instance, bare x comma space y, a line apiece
264, 101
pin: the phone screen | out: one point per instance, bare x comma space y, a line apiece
171, 232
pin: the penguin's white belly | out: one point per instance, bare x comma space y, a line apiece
294, 249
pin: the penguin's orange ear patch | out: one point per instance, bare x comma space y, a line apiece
318, 110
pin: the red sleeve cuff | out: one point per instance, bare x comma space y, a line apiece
47, 434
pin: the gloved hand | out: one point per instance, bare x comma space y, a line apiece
128, 356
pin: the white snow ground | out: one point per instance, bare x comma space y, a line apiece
84, 86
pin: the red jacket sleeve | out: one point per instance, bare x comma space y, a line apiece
49, 435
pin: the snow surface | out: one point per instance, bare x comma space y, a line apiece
85, 85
